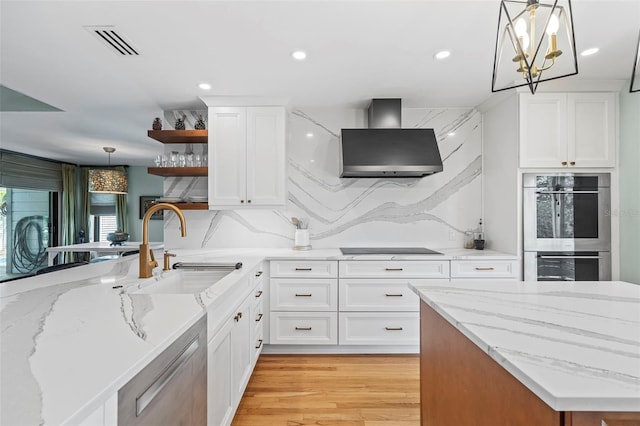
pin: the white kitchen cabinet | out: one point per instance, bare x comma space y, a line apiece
303, 328
257, 317
572, 130
377, 295
394, 269
379, 328
229, 365
377, 307
220, 400
303, 300
232, 351
247, 159
304, 269
304, 294
485, 269
241, 349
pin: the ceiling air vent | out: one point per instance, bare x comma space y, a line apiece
116, 42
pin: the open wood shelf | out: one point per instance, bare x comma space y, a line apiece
178, 171
191, 206
179, 136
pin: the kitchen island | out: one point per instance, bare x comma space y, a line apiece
525, 353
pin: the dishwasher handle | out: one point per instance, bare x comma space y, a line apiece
208, 266
156, 387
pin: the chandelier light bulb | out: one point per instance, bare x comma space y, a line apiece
553, 25
524, 39
521, 27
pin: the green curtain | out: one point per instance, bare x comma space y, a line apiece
85, 204
121, 206
68, 209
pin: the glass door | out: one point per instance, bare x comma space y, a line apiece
26, 230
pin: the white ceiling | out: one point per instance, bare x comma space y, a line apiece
357, 50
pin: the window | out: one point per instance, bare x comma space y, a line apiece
103, 216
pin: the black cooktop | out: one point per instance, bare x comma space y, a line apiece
387, 250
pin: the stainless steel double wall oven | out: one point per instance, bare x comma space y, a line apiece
567, 226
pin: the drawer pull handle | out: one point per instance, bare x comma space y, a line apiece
303, 328
484, 269
259, 293
393, 328
259, 274
259, 344
393, 295
303, 295
238, 316
259, 318
393, 269
303, 269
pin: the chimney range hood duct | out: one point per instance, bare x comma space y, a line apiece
386, 150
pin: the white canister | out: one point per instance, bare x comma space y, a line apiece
301, 238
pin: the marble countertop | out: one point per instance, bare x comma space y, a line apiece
69, 340
575, 345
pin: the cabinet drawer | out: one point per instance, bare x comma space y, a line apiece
258, 292
303, 328
484, 269
379, 328
377, 295
394, 269
288, 294
304, 269
258, 343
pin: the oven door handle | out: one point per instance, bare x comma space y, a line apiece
567, 192
569, 257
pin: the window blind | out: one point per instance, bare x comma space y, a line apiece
102, 204
25, 172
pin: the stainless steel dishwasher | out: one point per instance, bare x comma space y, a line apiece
172, 389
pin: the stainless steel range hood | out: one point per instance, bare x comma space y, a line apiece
386, 150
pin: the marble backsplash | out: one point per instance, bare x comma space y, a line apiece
433, 211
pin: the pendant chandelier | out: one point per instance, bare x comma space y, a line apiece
108, 181
535, 43
635, 74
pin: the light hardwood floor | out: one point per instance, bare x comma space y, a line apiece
327, 390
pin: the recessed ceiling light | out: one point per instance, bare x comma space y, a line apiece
442, 54
590, 51
299, 55
452, 134
204, 86
309, 135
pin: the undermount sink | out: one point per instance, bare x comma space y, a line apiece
184, 282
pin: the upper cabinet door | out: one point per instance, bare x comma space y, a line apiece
592, 129
266, 157
543, 130
227, 156
572, 130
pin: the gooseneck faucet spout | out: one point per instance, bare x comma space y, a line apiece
147, 259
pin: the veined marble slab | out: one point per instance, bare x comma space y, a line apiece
575, 345
433, 210
69, 340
